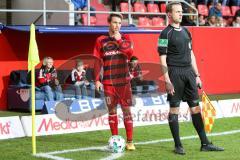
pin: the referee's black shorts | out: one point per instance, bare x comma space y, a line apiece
185, 86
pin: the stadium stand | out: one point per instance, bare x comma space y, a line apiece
151, 7
144, 22
202, 9
163, 7
93, 20
158, 22
101, 19
234, 9
226, 12
139, 7
124, 7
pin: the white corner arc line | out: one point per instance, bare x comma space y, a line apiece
51, 155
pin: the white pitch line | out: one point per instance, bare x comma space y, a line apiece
113, 156
44, 155
101, 148
188, 137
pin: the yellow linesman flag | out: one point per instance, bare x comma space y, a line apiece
33, 57
208, 113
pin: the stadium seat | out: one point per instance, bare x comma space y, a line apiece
151, 7
202, 9
139, 7
226, 11
144, 22
93, 20
234, 9
163, 7
124, 7
157, 21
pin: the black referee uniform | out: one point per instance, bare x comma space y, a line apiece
176, 43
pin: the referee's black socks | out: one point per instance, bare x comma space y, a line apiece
199, 126
174, 127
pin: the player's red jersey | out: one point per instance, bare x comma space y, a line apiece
114, 56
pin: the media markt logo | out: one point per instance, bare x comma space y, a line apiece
5, 128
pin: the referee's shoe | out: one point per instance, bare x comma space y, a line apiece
210, 147
179, 150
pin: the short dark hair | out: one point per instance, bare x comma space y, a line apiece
114, 15
169, 6
133, 58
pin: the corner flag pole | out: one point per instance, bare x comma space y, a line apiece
33, 60
33, 110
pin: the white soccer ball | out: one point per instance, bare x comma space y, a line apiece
116, 144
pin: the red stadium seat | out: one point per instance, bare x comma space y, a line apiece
144, 22
234, 9
151, 7
202, 9
163, 7
157, 21
93, 20
124, 7
226, 11
139, 7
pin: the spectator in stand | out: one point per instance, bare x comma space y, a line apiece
211, 21
236, 21
201, 19
82, 5
220, 22
136, 76
191, 19
216, 10
79, 80
49, 83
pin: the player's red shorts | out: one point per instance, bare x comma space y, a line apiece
118, 95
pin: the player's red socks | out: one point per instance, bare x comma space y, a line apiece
113, 123
128, 123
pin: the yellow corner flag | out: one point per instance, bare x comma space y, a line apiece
33, 60
208, 113
33, 57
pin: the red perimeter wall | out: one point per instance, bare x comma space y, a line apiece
217, 51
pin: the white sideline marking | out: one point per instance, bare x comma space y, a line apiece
188, 137
51, 155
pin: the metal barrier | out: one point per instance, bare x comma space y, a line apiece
45, 11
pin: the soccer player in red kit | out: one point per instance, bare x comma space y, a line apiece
114, 51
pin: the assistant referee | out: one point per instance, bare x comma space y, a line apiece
181, 76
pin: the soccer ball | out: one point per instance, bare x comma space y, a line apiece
116, 144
